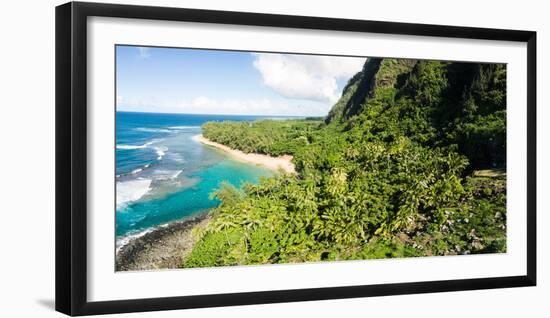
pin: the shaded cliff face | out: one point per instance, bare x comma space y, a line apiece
434, 103
377, 73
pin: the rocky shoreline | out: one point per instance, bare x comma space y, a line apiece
163, 248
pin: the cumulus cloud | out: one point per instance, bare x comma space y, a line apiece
307, 83
225, 106
261, 106
135, 103
306, 76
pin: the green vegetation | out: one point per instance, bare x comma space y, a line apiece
264, 136
409, 162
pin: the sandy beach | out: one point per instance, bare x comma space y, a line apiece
274, 163
163, 248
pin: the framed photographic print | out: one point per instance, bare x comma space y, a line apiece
209, 158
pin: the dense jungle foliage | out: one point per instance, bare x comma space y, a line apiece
409, 162
271, 137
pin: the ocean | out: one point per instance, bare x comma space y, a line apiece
163, 174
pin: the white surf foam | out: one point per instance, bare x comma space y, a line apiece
176, 157
145, 145
166, 174
120, 242
196, 138
184, 127
153, 130
130, 146
131, 190
138, 170
161, 151
175, 175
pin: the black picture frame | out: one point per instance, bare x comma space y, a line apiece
71, 157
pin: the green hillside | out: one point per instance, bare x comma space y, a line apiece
409, 162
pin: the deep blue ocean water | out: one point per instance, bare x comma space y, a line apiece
163, 174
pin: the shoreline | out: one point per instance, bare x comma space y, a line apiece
273, 163
164, 247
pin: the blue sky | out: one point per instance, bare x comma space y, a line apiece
170, 80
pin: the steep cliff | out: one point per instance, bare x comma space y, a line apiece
435, 103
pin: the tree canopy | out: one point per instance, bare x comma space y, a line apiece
409, 162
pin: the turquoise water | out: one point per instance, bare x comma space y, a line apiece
163, 174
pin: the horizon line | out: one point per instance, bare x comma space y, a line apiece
167, 113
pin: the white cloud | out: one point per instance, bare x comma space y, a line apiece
309, 84
262, 106
306, 76
146, 104
225, 106
144, 52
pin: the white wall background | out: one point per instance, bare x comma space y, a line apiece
27, 158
